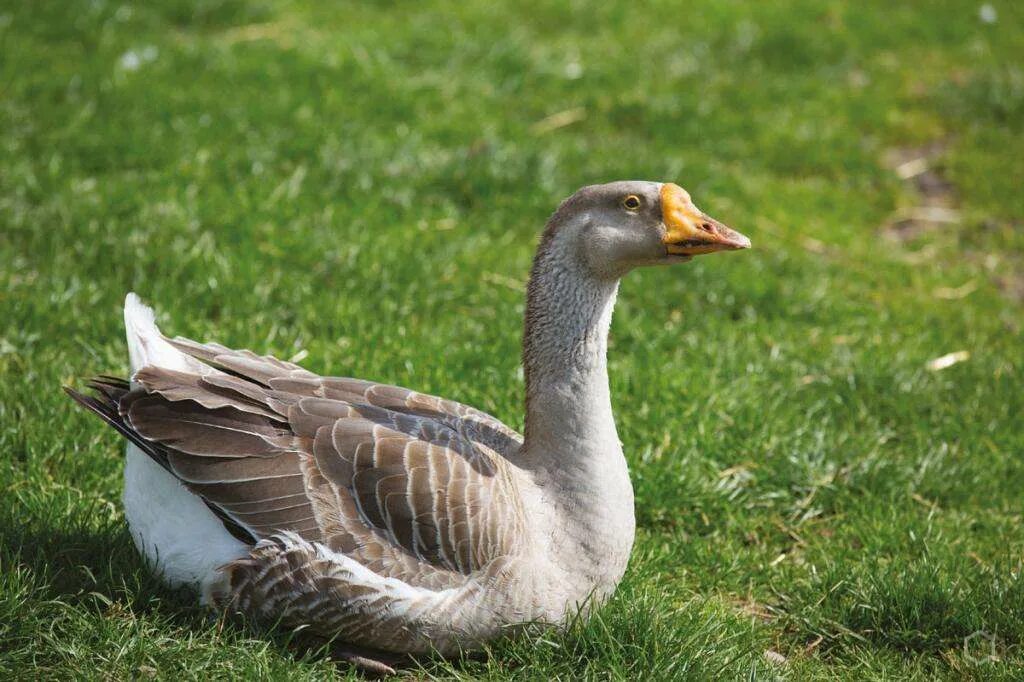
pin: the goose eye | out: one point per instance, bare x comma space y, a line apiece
632, 202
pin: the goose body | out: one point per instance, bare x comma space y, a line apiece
391, 519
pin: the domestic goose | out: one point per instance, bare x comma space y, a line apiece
391, 520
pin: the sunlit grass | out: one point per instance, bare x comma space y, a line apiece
362, 185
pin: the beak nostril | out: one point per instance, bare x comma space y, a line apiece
707, 227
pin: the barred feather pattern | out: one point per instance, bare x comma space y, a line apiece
299, 583
377, 513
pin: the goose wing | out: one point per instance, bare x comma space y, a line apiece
411, 486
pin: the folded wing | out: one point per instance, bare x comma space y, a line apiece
411, 486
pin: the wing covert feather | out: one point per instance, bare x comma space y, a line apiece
410, 485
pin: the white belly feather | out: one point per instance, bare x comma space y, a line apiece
179, 535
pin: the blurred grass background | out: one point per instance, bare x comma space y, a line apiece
360, 185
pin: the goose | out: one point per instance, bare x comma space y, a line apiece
392, 521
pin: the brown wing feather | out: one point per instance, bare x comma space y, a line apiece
410, 485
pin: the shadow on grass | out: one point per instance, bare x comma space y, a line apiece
96, 568
89, 565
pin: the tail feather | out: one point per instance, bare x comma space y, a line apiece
147, 346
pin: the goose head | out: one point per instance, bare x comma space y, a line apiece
618, 226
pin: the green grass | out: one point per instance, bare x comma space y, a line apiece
364, 183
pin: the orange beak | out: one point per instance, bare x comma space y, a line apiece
688, 232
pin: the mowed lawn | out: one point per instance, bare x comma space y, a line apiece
826, 433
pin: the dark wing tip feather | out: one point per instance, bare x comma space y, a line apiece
106, 406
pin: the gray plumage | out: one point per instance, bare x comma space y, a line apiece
388, 518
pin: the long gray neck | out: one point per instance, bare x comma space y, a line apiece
571, 444
565, 342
